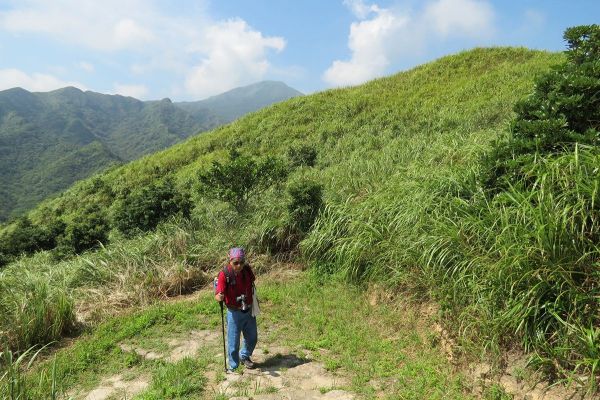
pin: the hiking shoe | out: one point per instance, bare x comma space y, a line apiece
233, 371
248, 363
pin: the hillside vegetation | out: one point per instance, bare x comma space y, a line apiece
398, 164
50, 140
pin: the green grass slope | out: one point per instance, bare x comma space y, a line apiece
435, 118
396, 156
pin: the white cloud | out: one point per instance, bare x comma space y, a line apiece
107, 25
137, 91
383, 36
369, 45
235, 55
460, 17
129, 33
360, 9
207, 56
36, 82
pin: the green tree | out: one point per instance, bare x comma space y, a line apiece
27, 238
302, 155
24, 238
306, 202
563, 110
240, 178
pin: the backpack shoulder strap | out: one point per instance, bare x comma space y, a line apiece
229, 276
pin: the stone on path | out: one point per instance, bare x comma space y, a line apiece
116, 386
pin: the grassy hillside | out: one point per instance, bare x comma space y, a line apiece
398, 158
437, 115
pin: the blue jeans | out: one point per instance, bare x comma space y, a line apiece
237, 323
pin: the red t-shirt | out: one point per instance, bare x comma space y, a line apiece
243, 285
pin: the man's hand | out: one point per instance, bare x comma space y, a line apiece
219, 297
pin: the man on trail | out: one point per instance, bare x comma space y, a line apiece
235, 285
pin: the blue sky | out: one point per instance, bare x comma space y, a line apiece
189, 50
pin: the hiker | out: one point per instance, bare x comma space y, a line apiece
235, 284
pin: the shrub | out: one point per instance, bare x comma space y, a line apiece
86, 231
306, 202
27, 238
144, 208
302, 155
241, 178
282, 234
23, 238
4, 259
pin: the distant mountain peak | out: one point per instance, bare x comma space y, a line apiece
238, 101
15, 90
67, 90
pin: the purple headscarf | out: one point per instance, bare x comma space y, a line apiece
237, 252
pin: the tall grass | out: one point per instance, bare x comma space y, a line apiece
33, 311
526, 261
15, 384
42, 301
518, 268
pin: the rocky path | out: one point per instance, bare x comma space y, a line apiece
283, 375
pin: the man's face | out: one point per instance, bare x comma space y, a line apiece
237, 264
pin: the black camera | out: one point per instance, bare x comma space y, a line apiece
242, 299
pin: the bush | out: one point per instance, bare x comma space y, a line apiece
306, 202
86, 231
283, 234
143, 209
241, 178
302, 155
5, 259
27, 238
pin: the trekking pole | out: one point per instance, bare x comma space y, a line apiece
223, 329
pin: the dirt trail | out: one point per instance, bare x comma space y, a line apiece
280, 373
117, 387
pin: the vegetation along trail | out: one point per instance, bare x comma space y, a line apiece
446, 219
320, 339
